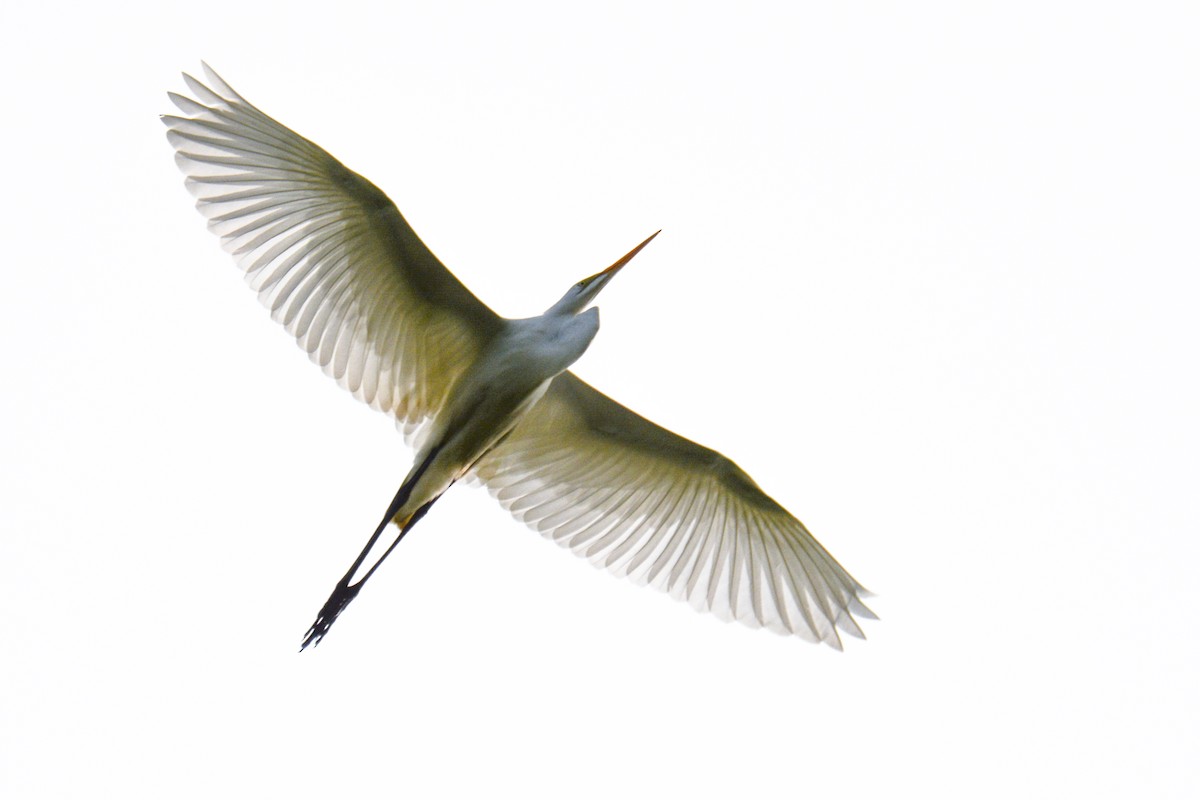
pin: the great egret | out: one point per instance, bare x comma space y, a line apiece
488, 398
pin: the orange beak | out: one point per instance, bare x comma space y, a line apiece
625, 259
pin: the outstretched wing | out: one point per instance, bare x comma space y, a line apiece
329, 254
645, 503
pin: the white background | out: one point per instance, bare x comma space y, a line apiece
927, 271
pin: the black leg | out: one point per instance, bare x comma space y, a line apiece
345, 591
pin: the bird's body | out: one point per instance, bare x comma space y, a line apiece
510, 375
489, 397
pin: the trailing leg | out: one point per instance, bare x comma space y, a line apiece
345, 591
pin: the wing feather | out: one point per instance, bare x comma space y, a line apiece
652, 506
329, 255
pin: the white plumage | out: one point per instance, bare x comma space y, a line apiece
485, 397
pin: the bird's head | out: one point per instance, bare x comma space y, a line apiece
583, 293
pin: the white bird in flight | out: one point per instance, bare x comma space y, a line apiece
487, 398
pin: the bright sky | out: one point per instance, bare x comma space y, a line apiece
928, 272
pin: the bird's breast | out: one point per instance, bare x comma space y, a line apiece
507, 380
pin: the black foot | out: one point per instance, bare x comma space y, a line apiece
337, 602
